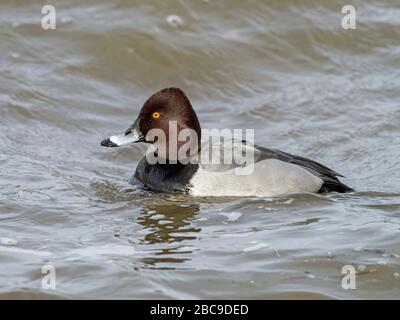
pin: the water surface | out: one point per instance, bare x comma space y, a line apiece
284, 68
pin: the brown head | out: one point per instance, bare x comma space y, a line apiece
168, 121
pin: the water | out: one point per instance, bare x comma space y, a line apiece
286, 69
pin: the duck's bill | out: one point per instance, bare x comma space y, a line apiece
131, 136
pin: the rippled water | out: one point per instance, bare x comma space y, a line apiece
285, 68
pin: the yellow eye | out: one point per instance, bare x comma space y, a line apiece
155, 115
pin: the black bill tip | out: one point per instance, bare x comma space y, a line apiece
108, 143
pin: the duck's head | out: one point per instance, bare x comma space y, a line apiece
168, 121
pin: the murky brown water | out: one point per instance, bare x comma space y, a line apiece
285, 68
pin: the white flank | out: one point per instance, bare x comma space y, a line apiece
269, 178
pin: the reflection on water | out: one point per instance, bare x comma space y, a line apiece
165, 220
168, 223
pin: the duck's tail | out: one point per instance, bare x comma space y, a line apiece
334, 186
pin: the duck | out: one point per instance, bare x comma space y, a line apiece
166, 168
